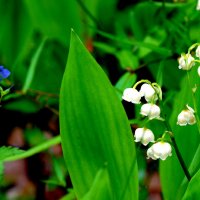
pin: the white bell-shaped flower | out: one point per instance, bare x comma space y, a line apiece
150, 110
186, 62
198, 52
198, 70
131, 95
144, 136
186, 117
148, 92
159, 150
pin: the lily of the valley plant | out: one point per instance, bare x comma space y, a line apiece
151, 94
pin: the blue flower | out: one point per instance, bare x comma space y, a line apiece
4, 73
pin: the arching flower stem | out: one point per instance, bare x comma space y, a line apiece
178, 153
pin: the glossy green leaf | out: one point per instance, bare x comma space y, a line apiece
193, 169
32, 68
100, 189
15, 31
127, 59
23, 104
54, 19
187, 137
70, 196
127, 80
193, 191
94, 128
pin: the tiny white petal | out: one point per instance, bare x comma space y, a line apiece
198, 52
139, 133
190, 109
192, 119
131, 95
198, 5
148, 92
186, 62
186, 117
198, 70
144, 136
181, 62
150, 110
182, 119
150, 154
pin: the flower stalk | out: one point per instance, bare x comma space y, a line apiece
178, 153
180, 158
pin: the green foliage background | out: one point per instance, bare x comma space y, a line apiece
140, 40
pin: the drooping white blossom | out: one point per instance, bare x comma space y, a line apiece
148, 92
150, 110
144, 136
186, 117
131, 95
159, 150
186, 61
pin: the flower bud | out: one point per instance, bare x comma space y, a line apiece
131, 95
159, 150
186, 117
186, 61
148, 92
150, 110
198, 52
144, 136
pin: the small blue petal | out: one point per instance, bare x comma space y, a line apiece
4, 73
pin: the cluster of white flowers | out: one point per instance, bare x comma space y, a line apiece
158, 150
187, 61
151, 93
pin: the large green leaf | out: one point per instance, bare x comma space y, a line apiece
99, 189
15, 31
187, 137
94, 128
193, 191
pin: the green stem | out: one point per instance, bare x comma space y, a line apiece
90, 15
180, 158
178, 153
141, 81
194, 102
34, 150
